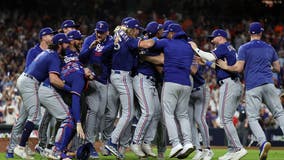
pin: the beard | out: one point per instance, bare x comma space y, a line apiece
62, 53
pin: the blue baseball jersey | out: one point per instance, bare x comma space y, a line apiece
124, 56
32, 53
73, 75
258, 57
198, 79
178, 58
98, 58
46, 62
145, 67
228, 52
71, 56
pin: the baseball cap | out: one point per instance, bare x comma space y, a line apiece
74, 35
60, 38
101, 26
152, 28
218, 32
46, 31
166, 27
69, 23
124, 20
133, 23
177, 29
255, 28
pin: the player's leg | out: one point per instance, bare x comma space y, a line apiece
55, 106
201, 106
182, 117
228, 103
92, 100
16, 132
253, 103
169, 102
143, 88
153, 127
28, 89
102, 105
111, 112
123, 84
194, 130
271, 99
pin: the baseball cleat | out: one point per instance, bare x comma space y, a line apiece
263, 150
136, 148
175, 150
21, 152
187, 149
148, 150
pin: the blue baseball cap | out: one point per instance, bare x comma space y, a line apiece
152, 28
133, 23
218, 32
74, 35
124, 20
255, 28
175, 28
166, 27
60, 38
101, 26
69, 23
45, 31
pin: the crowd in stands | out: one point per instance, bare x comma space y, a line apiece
19, 32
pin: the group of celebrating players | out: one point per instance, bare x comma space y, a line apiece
151, 75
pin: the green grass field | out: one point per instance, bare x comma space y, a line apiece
274, 154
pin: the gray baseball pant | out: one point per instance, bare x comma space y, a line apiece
254, 97
230, 95
175, 99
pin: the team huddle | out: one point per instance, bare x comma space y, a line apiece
151, 75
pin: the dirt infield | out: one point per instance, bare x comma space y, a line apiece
33, 141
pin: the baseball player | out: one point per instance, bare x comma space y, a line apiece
46, 64
48, 121
176, 88
144, 84
258, 60
52, 101
230, 90
45, 36
198, 104
74, 75
113, 105
96, 52
176, 65
68, 25
126, 47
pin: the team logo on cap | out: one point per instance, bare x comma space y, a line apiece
101, 25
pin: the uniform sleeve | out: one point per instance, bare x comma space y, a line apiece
85, 51
133, 43
241, 54
78, 84
54, 64
160, 44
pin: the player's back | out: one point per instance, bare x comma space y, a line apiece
46, 62
258, 57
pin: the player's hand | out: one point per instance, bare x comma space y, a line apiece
193, 45
222, 64
94, 43
89, 74
80, 131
